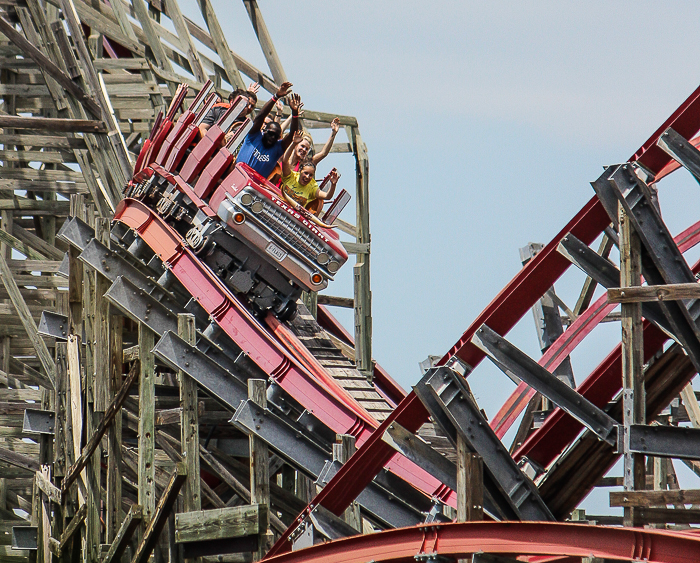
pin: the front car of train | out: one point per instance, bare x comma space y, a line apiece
237, 222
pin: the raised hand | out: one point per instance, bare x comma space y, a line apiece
298, 137
295, 102
283, 90
333, 177
335, 125
253, 87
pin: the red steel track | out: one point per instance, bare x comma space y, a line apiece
506, 538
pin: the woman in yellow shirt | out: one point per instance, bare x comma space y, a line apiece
300, 187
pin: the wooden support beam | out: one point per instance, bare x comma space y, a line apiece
114, 433
259, 461
221, 523
95, 439
47, 487
146, 460
633, 393
49, 67
666, 516
470, 484
220, 44
127, 529
654, 293
343, 449
58, 547
173, 10
160, 515
266, 44
691, 405
654, 498
25, 316
333, 301
53, 124
189, 422
19, 460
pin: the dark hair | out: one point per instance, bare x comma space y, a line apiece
307, 162
240, 92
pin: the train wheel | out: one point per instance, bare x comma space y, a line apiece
288, 312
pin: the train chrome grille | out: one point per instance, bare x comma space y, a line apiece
288, 229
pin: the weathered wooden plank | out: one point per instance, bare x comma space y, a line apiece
95, 439
120, 64
220, 44
51, 123
19, 246
641, 294
189, 426
221, 523
48, 157
47, 487
160, 516
654, 498
28, 173
146, 464
28, 322
19, 460
49, 67
265, 41
46, 141
128, 527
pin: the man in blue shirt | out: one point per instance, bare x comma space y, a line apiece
262, 149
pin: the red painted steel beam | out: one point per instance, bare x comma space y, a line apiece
507, 538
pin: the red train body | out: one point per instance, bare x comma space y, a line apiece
239, 224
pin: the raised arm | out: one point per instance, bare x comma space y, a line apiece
295, 105
334, 177
267, 108
287, 157
323, 153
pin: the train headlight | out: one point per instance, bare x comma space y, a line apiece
323, 258
238, 218
257, 207
316, 278
333, 267
246, 199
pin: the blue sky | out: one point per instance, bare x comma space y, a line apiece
485, 123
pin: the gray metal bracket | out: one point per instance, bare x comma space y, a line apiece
665, 441
452, 396
53, 325
39, 422
76, 233
602, 270
680, 150
515, 362
25, 537
295, 447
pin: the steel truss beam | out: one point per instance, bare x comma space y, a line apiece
665, 441
681, 150
441, 388
514, 362
604, 272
